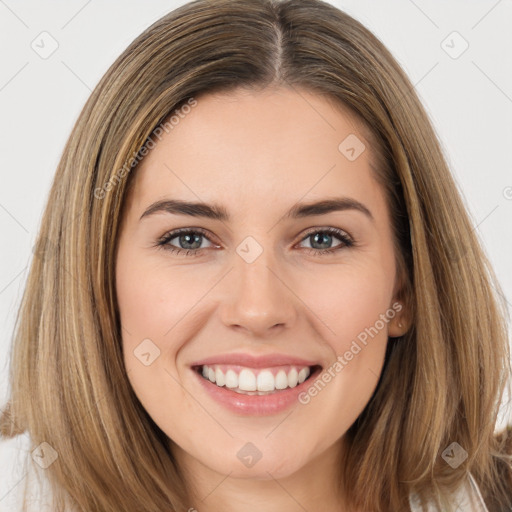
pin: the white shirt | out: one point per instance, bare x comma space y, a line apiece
467, 498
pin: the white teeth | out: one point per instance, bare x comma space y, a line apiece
231, 379
219, 377
266, 381
303, 374
248, 382
282, 379
293, 377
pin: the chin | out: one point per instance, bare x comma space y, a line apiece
272, 465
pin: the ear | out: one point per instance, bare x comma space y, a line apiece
401, 321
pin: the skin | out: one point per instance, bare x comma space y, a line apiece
257, 154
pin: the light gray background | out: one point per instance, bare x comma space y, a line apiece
469, 99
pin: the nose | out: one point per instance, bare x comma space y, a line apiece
258, 298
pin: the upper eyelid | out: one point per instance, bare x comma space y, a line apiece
173, 233
327, 229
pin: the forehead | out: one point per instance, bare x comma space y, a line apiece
276, 143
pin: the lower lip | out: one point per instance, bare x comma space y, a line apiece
261, 405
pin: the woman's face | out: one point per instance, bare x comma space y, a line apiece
265, 290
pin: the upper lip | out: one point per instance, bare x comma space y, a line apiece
250, 361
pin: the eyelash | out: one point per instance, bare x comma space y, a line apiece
163, 242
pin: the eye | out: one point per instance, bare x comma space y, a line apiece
324, 237
190, 241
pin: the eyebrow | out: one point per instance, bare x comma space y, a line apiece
217, 212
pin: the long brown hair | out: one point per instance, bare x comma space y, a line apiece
442, 381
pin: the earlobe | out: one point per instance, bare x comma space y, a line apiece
396, 330
399, 324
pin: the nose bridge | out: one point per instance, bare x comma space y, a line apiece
258, 298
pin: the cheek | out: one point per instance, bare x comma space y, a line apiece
349, 301
158, 307
354, 306
150, 303
151, 308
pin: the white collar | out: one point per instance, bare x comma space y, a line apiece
467, 498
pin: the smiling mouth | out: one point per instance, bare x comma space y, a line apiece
256, 381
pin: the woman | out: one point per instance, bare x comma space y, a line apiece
249, 370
